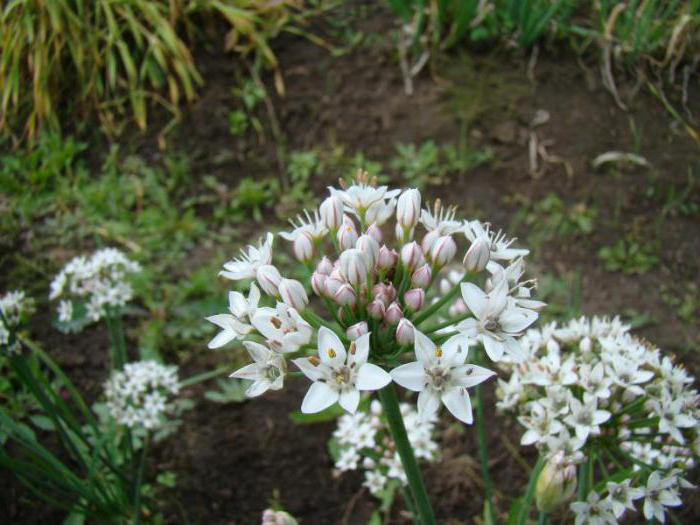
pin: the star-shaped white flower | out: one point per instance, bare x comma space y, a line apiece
499, 245
309, 224
372, 204
251, 258
621, 496
267, 372
585, 417
658, 494
339, 375
593, 511
496, 322
283, 327
237, 323
441, 375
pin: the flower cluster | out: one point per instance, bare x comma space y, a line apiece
96, 282
377, 301
600, 396
364, 442
15, 308
138, 396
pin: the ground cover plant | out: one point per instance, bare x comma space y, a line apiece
409, 362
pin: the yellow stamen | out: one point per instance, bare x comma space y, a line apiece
438, 351
314, 360
331, 353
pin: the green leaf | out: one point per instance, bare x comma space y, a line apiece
43, 422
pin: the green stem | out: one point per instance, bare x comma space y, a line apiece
204, 376
138, 479
483, 446
583, 477
448, 323
530, 492
542, 518
390, 404
449, 296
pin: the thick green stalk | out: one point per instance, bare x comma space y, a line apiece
483, 447
390, 404
204, 376
138, 479
530, 492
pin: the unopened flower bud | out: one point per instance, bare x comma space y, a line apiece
408, 209
411, 255
277, 517
293, 294
303, 247
384, 292
443, 251
318, 283
477, 256
269, 279
429, 240
422, 276
369, 248
347, 234
459, 307
356, 330
556, 484
333, 284
387, 258
324, 266
375, 232
414, 299
376, 309
331, 212
353, 266
393, 314
404, 332
345, 296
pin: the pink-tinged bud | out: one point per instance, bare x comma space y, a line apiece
375, 232
333, 284
429, 240
393, 314
384, 292
293, 294
414, 299
318, 283
269, 279
347, 234
345, 296
404, 332
331, 212
353, 266
443, 251
324, 266
387, 258
459, 307
408, 209
412, 255
303, 247
477, 256
369, 248
342, 316
376, 309
422, 276
356, 330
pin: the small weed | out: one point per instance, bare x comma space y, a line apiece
676, 200
629, 256
686, 301
237, 123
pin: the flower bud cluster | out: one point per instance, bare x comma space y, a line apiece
590, 386
15, 309
364, 443
139, 396
97, 282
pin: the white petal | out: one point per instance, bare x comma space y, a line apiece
410, 376
251, 372
258, 388
330, 348
424, 347
471, 375
454, 350
458, 403
514, 349
494, 349
313, 372
319, 397
428, 404
223, 321
223, 337
257, 351
361, 350
477, 301
516, 320
349, 399
372, 377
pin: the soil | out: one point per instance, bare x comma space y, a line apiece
231, 459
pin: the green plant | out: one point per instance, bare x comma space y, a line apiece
529, 20
629, 256
252, 196
551, 218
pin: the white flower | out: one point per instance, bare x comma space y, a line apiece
497, 322
348, 460
499, 245
283, 327
311, 226
593, 511
251, 258
269, 278
658, 494
293, 294
585, 416
441, 221
375, 481
368, 203
353, 266
237, 323
65, 311
332, 212
621, 496
408, 209
267, 372
540, 424
672, 418
441, 375
337, 375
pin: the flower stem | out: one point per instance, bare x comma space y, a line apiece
483, 447
390, 404
433, 308
138, 479
542, 519
204, 376
524, 512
